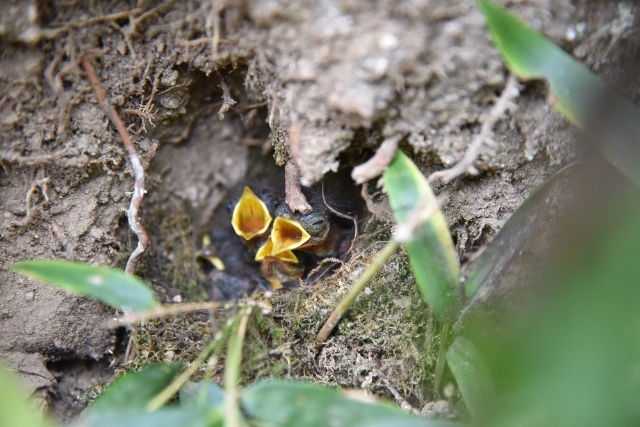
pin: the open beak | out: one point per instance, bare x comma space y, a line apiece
287, 235
266, 250
251, 217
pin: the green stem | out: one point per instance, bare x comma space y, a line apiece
353, 293
166, 394
442, 352
232, 372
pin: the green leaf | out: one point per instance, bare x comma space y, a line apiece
472, 375
524, 224
133, 391
431, 253
201, 394
167, 417
15, 407
295, 404
612, 121
110, 286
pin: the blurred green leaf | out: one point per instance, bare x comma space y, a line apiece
431, 253
524, 224
133, 391
15, 407
110, 286
579, 94
201, 394
472, 375
297, 404
166, 417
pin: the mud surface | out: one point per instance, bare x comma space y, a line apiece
340, 75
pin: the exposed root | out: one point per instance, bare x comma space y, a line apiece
138, 191
41, 185
485, 137
379, 162
227, 100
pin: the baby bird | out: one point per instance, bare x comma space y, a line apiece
279, 247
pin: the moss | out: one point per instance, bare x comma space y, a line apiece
387, 339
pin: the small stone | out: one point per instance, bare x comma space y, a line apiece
30, 295
177, 298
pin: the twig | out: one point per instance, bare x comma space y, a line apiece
405, 231
214, 346
232, 372
379, 162
293, 194
353, 293
41, 184
345, 216
399, 399
138, 170
164, 311
227, 100
504, 102
33, 159
213, 27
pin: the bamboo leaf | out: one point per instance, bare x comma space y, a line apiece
15, 407
524, 224
612, 121
133, 391
431, 252
472, 375
110, 286
166, 417
293, 404
201, 394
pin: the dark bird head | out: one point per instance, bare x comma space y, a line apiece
292, 225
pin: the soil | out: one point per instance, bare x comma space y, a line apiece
339, 74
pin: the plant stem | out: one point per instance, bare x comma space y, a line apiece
166, 394
353, 293
440, 364
232, 372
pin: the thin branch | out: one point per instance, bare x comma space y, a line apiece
418, 216
232, 372
379, 162
345, 216
138, 170
227, 100
353, 293
504, 103
164, 311
215, 346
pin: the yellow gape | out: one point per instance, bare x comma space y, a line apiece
251, 217
287, 235
267, 250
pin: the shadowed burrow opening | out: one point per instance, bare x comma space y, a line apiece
242, 241
80, 379
256, 242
